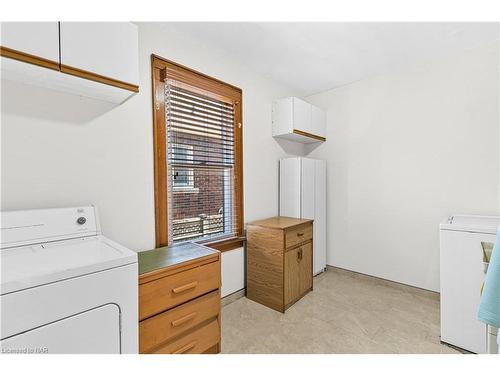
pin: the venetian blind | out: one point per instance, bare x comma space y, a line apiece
200, 164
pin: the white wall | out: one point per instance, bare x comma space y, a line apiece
232, 271
404, 151
60, 150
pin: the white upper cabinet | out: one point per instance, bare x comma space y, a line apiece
98, 60
39, 39
108, 49
301, 112
295, 119
318, 121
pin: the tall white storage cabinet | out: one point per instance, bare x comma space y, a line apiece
303, 195
462, 273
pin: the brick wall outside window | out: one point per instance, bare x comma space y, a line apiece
207, 196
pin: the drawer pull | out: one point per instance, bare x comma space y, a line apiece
300, 234
184, 319
186, 348
183, 288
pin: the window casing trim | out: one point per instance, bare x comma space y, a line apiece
219, 89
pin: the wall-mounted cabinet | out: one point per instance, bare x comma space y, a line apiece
296, 120
93, 59
39, 39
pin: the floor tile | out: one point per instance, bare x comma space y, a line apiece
345, 313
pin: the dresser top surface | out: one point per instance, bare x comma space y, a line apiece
169, 256
280, 222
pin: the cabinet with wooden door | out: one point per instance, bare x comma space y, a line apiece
279, 261
298, 275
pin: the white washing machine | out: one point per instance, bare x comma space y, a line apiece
461, 278
65, 288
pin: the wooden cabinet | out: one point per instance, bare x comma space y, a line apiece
108, 49
179, 300
97, 60
296, 120
298, 275
279, 261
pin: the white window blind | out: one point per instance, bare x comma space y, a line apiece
200, 164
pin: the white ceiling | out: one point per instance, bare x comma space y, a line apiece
313, 57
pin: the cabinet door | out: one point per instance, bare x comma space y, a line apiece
318, 121
305, 268
290, 188
301, 115
40, 39
292, 275
307, 189
109, 49
319, 225
298, 272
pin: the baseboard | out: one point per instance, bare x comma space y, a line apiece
335, 268
230, 298
458, 349
321, 272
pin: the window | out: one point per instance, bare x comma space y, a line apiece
183, 178
198, 158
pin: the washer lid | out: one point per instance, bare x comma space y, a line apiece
471, 223
35, 265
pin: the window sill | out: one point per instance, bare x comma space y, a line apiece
226, 244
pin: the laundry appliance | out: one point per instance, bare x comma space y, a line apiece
65, 288
462, 239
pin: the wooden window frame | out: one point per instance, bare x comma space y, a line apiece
159, 67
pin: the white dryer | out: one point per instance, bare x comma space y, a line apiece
461, 275
65, 288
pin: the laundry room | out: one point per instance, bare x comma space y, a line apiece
250, 187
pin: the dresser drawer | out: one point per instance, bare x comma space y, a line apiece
164, 293
165, 326
195, 342
298, 235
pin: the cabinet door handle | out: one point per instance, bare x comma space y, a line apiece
183, 288
299, 254
186, 348
184, 319
300, 234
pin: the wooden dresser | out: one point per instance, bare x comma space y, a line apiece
279, 261
179, 300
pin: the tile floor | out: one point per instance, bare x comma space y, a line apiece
346, 313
